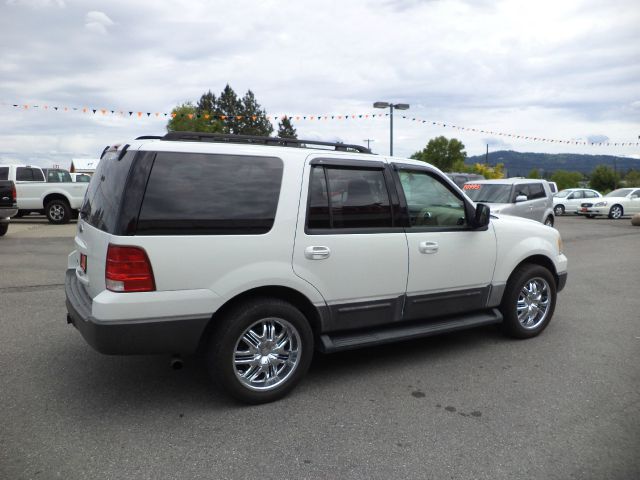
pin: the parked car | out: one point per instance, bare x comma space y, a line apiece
80, 177
553, 186
461, 178
255, 254
522, 197
58, 200
570, 199
615, 204
8, 206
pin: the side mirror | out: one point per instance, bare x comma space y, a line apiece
521, 198
481, 216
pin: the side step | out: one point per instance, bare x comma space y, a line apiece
338, 341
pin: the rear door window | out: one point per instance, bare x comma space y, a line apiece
536, 190
208, 194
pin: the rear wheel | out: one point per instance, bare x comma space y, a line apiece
529, 301
615, 212
58, 212
558, 210
260, 350
3, 228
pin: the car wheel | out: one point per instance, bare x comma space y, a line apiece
591, 216
558, 210
260, 350
58, 212
528, 302
3, 229
615, 212
549, 221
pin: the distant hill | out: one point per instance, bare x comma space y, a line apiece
519, 164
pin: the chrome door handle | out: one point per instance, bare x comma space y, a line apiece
428, 247
317, 253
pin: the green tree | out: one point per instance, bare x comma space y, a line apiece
566, 179
442, 152
286, 129
603, 178
534, 173
185, 118
632, 178
488, 171
253, 119
229, 107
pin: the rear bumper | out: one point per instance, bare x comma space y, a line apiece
127, 337
6, 212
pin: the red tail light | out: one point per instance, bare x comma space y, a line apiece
14, 194
128, 270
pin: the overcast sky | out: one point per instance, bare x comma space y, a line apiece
565, 70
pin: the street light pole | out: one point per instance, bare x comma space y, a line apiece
391, 106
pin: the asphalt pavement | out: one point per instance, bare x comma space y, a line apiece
468, 405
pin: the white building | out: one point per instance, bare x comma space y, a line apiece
84, 165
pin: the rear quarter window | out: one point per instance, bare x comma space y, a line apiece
210, 194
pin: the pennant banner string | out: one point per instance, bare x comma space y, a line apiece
299, 118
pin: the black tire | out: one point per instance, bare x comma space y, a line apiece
3, 229
591, 216
75, 214
558, 210
58, 212
549, 221
227, 343
616, 212
519, 283
20, 214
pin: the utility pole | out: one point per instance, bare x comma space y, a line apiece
486, 157
368, 140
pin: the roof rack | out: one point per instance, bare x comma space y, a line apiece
256, 140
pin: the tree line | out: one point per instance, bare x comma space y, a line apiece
242, 116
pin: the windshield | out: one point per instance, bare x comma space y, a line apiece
621, 192
488, 192
562, 193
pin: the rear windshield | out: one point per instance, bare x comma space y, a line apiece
202, 194
102, 201
488, 192
4, 173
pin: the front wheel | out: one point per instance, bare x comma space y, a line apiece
529, 301
58, 212
558, 210
260, 350
615, 212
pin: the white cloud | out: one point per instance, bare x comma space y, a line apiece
550, 69
97, 22
37, 3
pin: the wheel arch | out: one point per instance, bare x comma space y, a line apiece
287, 294
541, 260
55, 196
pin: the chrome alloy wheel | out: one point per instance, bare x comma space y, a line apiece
616, 212
266, 354
533, 303
56, 212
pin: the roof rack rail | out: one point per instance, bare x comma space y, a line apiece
257, 140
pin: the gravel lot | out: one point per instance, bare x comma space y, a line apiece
469, 405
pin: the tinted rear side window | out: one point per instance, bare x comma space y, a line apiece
4, 173
103, 198
204, 194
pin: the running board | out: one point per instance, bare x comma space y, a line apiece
338, 341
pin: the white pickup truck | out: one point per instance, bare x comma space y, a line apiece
58, 199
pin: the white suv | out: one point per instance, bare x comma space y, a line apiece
257, 251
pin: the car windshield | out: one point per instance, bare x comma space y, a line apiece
488, 192
621, 192
562, 193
